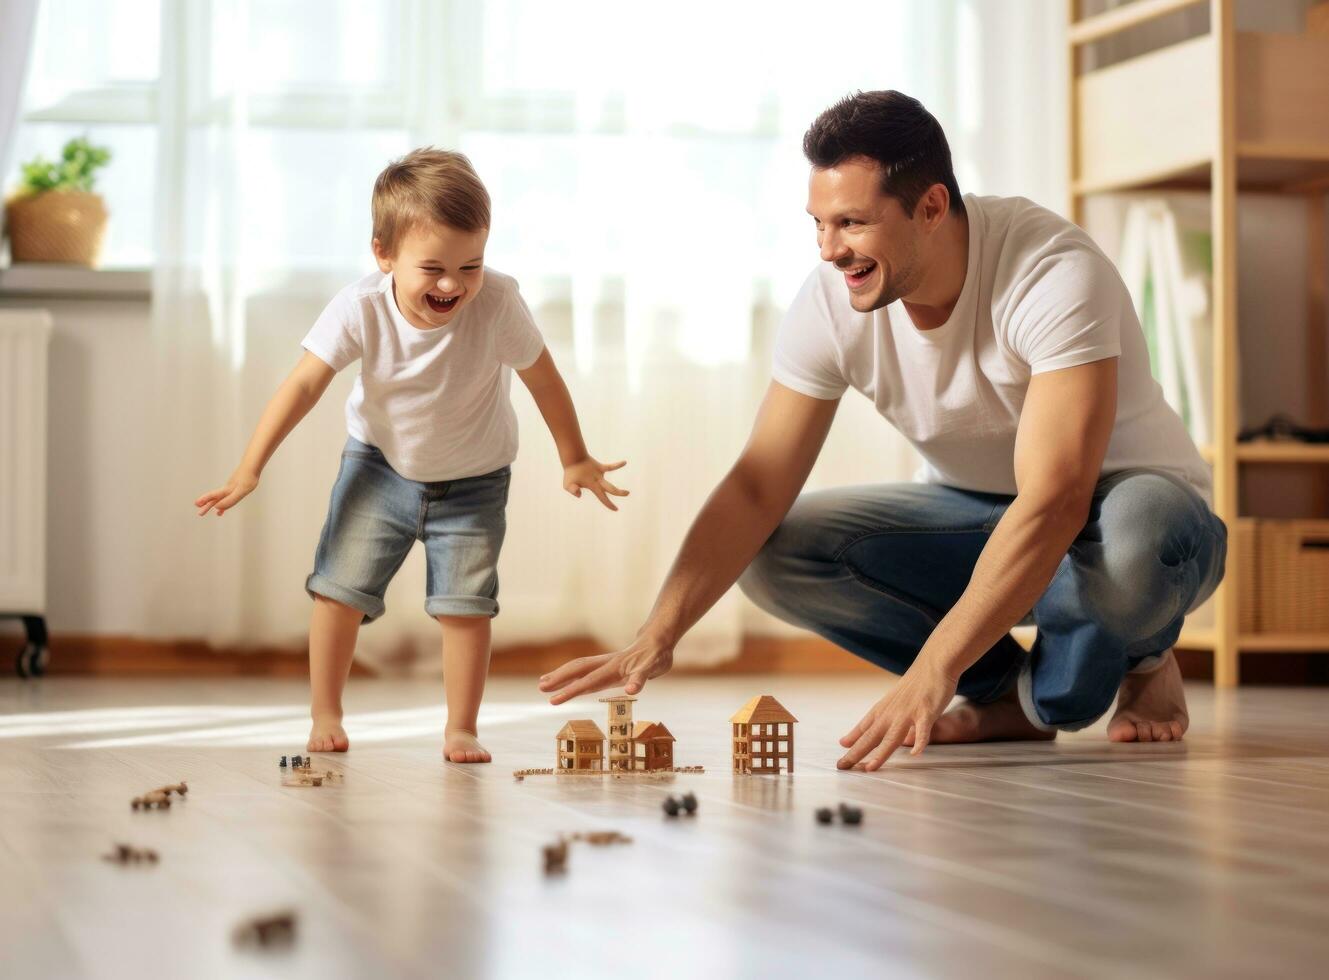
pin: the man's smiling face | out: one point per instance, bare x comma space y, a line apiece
435, 272
865, 233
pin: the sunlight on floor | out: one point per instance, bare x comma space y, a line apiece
217, 726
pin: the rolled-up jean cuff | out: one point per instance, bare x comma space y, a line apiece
1150, 664
321, 585
1026, 688
461, 605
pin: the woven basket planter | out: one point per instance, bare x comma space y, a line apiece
56, 226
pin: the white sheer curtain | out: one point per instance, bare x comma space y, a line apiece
648, 193
17, 18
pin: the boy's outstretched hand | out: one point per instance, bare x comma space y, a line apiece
589, 474
237, 488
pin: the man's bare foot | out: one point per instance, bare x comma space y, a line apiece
462, 746
327, 735
1002, 720
1151, 707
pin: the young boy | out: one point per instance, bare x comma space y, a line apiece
432, 434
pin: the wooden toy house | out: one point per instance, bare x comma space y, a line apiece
581, 745
763, 736
652, 747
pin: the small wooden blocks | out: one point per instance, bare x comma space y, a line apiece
277, 929
159, 798
126, 854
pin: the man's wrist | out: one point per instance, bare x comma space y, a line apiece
659, 635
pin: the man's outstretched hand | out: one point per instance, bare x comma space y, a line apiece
629, 668
913, 704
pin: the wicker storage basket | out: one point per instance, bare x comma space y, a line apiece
56, 226
1285, 573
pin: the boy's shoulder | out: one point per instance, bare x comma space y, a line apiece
496, 295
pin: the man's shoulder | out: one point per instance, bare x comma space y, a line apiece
1029, 250
1023, 231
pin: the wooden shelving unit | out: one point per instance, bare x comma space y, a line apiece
1225, 112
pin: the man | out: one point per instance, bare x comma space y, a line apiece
1057, 485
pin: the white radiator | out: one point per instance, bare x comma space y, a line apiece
24, 337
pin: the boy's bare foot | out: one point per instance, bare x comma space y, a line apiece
1151, 707
995, 721
463, 746
327, 735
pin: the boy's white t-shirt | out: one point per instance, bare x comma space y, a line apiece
434, 402
1038, 296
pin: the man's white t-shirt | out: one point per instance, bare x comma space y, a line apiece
1038, 296
434, 402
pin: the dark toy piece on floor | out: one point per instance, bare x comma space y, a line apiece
689, 802
283, 762
851, 814
824, 814
670, 806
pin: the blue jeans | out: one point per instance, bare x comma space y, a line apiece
377, 515
875, 568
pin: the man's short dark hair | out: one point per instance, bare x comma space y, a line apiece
894, 130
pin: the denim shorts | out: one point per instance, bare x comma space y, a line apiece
375, 518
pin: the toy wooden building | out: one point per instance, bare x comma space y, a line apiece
652, 747
581, 745
620, 731
763, 735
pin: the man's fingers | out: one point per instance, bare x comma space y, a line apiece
597, 680
867, 738
559, 676
886, 748
864, 723
635, 683
922, 734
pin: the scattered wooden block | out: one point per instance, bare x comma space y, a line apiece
276, 929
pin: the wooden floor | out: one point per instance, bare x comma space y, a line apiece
1077, 858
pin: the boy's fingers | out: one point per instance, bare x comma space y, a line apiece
615, 466
610, 488
603, 499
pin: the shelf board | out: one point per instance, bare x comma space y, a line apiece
1261, 168
1267, 451
1206, 638
1283, 452
1283, 643
1119, 19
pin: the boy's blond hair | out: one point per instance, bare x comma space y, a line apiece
427, 186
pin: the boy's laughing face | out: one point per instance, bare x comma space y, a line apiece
435, 272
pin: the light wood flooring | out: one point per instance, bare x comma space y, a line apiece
1208, 858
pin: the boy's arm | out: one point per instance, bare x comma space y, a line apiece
551, 396
294, 398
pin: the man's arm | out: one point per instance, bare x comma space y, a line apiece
733, 524
1065, 426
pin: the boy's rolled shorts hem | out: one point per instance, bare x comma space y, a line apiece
321, 585
461, 605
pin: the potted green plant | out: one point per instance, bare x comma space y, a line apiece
55, 216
